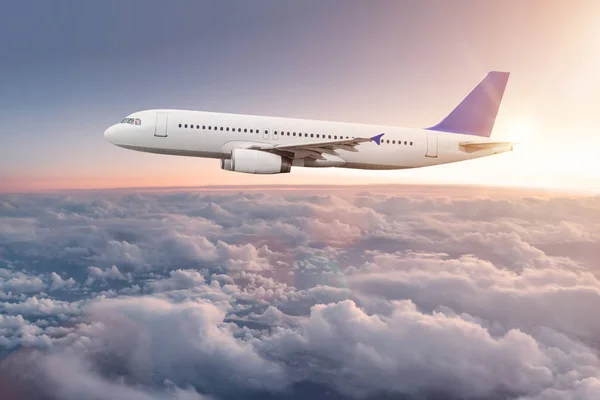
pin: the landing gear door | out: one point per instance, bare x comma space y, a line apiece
432, 146
161, 124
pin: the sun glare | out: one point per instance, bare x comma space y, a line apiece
521, 131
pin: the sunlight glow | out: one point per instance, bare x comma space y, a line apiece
522, 131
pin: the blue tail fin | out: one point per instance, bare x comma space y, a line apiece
476, 114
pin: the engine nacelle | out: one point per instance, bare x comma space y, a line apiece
256, 162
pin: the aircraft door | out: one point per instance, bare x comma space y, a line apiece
161, 124
276, 135
266, 134
432, 146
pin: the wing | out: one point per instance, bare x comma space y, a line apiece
315, 150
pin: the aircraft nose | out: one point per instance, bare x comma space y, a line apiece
110, 134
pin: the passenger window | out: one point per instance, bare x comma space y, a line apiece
311, 135
405, 142
180, 125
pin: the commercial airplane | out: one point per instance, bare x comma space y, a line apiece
269, 145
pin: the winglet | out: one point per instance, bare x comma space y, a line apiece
377, 138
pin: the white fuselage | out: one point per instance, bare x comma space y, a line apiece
215, 135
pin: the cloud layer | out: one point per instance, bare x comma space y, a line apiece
349, 294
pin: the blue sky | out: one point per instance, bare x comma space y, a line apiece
75, 68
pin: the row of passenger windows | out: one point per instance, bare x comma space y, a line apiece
394, 142
216, 128
312, 135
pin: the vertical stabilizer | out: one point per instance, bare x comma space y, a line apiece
476, 114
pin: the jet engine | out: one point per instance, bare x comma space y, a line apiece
256, 162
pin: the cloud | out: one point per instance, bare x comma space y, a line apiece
112, 273
41, 307
502, 298
72, 379
58, 283
180, 279
413, 353
287, 294
123, 252
19, 282
184, 338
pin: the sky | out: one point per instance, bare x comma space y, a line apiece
475, 280
72, 68
348, 293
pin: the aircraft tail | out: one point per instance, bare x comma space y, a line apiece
476, 114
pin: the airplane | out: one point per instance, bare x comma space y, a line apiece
271, 145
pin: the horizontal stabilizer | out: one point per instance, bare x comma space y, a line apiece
471, 147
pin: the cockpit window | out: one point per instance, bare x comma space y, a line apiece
132, 121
